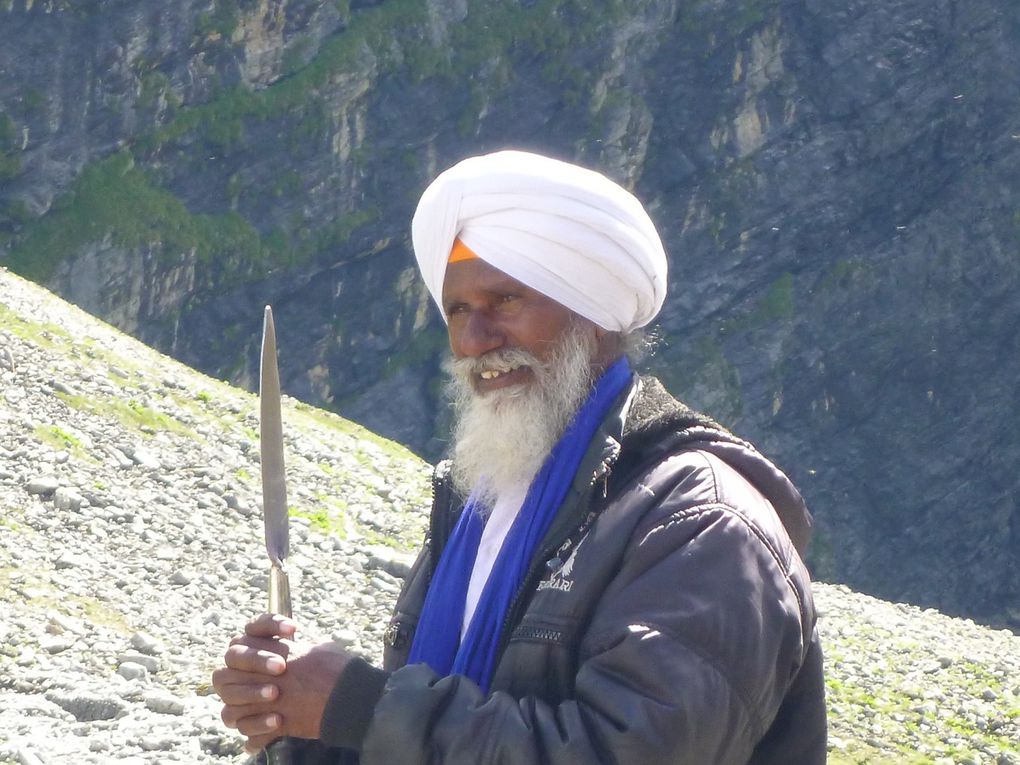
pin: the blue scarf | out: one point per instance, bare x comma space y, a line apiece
437, 639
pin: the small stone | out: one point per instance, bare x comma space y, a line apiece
147, 644
25, 756
386, 585
62, 387
43, 485
65, 498
123, 461
145, 459
221, 746
151, 663
166, 552
55, 644
155, 744
164, 704
87, 707
130, 670
182, 578
58, 624
393, 562
68, 560
346, 638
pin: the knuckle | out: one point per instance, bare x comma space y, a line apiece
250, 726
236, 656
258, 624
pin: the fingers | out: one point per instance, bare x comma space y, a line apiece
257, 743
245, 708
251, 719
236, 689
259, 727
245, 658
246, 684
270, 626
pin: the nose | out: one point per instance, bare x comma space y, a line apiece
475, 335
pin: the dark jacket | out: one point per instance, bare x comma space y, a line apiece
667, 618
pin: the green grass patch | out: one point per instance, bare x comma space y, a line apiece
319, 519
43, 334
370, 32
8, 521
131, 414
777, 304
379, 539
10, 149
114, 198
845, 275
58, 438
394, 35
46, 597
328, 518
336, 422
422, 347
222, 20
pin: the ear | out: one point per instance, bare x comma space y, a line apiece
609, 346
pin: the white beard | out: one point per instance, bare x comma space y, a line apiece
502, 438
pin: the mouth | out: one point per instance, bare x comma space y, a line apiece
494, 379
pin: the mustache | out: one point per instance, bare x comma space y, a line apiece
499, 360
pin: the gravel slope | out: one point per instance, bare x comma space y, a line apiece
130, 551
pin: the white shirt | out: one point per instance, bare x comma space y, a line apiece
496, 528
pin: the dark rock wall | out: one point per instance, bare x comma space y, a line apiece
836, 183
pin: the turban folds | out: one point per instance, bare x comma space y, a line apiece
567, 232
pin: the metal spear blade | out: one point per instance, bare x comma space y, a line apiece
274, 485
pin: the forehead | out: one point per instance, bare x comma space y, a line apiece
467, 277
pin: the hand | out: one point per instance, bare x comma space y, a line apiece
274, 686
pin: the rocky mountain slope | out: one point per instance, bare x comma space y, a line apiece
132, 537
130, 552
836, 182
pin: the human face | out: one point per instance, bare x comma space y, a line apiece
487, 311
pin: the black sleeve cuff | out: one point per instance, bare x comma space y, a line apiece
351, 704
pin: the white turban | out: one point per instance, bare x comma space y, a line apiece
567, 232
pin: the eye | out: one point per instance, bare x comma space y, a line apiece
455, 308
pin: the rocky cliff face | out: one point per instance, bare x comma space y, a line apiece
836, 183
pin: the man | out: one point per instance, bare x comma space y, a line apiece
608, 576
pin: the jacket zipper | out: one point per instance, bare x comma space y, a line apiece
398, 633
440, 499
532, 577
537, 633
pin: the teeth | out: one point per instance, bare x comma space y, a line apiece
492, 374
